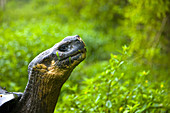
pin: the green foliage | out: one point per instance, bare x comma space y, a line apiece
134, 80
113, 91
18, 49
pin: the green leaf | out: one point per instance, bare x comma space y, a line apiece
98, 97
58, 55
120, 63
108, 104
126, 111
135, 107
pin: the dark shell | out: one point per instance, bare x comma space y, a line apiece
8, 100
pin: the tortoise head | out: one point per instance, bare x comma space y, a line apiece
59, 61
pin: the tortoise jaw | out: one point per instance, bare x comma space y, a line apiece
69, 61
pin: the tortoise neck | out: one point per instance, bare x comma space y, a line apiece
41, 94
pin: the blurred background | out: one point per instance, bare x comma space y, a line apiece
142, 28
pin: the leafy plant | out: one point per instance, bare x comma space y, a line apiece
115, 90
134, 80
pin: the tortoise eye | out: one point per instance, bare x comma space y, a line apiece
63, 48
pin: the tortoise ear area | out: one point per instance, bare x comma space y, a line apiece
46, 62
